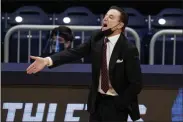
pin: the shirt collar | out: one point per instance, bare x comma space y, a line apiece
113, 39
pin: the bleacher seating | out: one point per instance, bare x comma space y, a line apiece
78, 15
2, 22
2, 34
170, 18
82, 16
137, 22
32, 15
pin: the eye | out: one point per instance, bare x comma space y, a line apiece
111, 17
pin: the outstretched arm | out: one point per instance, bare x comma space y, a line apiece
70, 55
59, 58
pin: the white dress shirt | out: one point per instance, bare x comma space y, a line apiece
110, 47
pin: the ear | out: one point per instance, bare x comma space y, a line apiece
121, 25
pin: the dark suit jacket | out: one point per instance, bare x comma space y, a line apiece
125, 77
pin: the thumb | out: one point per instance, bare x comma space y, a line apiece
33, 57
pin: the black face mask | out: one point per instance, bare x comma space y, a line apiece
109, 31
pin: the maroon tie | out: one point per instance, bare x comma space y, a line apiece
104, 73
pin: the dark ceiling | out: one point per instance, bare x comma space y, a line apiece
96, 6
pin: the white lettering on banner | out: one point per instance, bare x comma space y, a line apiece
28, 110
11, 110
40, 111
51, 112
70, 112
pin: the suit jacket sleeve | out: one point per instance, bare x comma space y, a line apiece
134, 76
71, 54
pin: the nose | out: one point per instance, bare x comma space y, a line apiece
105, 18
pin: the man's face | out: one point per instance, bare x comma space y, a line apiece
111, 19
62, 41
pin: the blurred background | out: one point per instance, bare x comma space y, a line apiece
156, 27
146, 17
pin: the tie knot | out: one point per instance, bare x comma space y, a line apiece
106, 40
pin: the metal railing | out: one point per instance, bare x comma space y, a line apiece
154, 39
50, 27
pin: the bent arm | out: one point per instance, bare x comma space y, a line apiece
134, 76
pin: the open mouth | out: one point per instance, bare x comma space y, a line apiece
104, 25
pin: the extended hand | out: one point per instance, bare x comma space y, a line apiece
37, 65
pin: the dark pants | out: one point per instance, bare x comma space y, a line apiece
106, 110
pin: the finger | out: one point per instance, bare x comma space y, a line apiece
30, 71
33, 70
31, 67
33, 57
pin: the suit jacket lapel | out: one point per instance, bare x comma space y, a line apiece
119, 46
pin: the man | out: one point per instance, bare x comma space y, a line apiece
60, 39
116, 72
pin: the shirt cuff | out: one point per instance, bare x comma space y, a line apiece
50, 62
